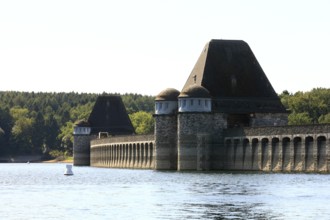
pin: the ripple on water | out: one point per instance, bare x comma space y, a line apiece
41, 191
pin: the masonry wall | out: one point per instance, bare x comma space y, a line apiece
134, 151
201, 147
269, 119
166, 151
278, 149
81, 150
190, 125
217, 155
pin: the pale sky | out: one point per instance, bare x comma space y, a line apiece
145, 46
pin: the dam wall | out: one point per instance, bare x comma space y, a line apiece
268, 149
278, 148
133, 151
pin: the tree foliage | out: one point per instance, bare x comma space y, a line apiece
143, 122
299, 119
36, 123
42, 122
307, 107
324, 119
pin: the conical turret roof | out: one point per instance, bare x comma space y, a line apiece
169, 94
194, 91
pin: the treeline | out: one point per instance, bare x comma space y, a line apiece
311, 107
39, 123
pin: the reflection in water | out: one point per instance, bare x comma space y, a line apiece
95, 193
227, 211
226, 200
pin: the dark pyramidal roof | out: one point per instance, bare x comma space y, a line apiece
109, 115
229, 70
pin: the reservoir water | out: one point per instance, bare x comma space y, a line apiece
41, 191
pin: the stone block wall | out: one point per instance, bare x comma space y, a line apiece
219, 123
189, 126
204, 145
278, 149
166, 152
133, 151
81, 150
269, 119
122, 138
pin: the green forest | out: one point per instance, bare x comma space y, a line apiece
42, 123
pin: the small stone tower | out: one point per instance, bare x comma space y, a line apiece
195, 125
108, 116
81, 143
166, 107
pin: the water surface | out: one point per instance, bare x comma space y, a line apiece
41, 191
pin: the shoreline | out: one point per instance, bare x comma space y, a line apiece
40, 161
55, 161
34, 159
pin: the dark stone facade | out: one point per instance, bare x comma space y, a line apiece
81, 150
166, 141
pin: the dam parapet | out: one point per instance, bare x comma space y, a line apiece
127, 151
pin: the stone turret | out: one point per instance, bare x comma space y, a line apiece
108, 117
81, 143
166, 106
195, 99
194, 128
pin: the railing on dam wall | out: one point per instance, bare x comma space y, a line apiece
279, 130
134, 151
287, 149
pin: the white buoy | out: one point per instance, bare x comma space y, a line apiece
68, 170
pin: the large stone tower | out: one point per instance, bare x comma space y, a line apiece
195, 125
227, 88
166, 107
